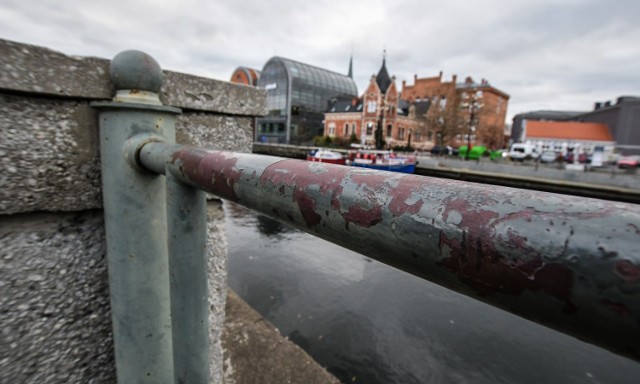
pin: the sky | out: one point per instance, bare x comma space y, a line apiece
546, 54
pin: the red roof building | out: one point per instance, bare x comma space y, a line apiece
567, 130
564, 136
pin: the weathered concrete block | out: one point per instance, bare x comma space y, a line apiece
48, 155
54, 295
198, 93
215, 132
33, 69
29, 68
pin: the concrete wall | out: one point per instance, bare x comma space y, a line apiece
56, 325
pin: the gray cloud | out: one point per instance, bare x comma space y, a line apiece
546, 54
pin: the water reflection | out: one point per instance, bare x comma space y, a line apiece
272, 228
369, 323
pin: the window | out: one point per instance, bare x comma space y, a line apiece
371, 107
332, 130
353, 128
401, 133
443, 103
345, 132
389, 129
369, 128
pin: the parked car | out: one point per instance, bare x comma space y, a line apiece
477, 151
439, 150
498, 154
583, 158
628, 162
548, 157
522, 151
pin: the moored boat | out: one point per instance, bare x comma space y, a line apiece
382, 160
326, 156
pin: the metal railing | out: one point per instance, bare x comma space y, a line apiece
570, 263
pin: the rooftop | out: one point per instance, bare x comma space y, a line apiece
568, 130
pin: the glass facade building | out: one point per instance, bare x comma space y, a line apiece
297, 97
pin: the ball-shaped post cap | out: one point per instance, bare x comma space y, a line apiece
135, 70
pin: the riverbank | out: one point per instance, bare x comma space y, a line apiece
609, 183
255, 352
602, 183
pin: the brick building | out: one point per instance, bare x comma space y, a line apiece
450, 123
379, 108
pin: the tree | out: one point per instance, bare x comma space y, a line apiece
492, 136
444, 120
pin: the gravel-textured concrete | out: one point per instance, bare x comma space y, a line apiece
54, 295
48, 155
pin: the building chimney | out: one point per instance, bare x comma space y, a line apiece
454, 78
440, 75
597, 106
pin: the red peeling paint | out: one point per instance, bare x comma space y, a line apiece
363, 217
477, 263
214, 171
628, 271
399, 187
289, 174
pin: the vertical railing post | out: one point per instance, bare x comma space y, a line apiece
186, 208
136, 221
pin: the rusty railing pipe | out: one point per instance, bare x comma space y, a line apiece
570, 263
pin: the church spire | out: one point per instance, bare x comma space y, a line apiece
383, 79
351, 67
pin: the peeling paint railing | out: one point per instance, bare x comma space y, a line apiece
570, 263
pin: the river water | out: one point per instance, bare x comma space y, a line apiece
370, 323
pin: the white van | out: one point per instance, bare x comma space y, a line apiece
523, 151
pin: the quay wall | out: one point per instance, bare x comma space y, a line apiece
54, 290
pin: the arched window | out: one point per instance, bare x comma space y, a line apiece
389, 129
346, 129
353, 128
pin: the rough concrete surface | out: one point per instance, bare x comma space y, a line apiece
54, 295
215, 132
48, 155
217, 265
29, 68
192, 92
33, 69
256, 353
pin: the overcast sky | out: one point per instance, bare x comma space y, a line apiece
546, 54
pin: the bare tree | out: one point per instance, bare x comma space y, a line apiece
444, 120
492, 136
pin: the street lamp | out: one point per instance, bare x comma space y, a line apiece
473, 105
